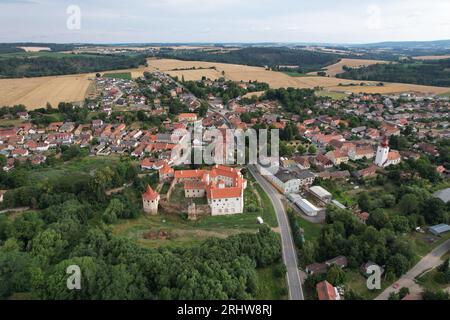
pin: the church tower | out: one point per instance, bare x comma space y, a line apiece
150, 201
382, 153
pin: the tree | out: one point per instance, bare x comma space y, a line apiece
378, 218
336, 276
48, 247
409, 204
398, 264
434, 211
301, 149
312, 149
436, 296
115, 209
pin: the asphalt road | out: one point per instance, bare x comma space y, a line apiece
288, 246
430, 261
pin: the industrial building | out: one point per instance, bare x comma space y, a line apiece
304, 205
321, 194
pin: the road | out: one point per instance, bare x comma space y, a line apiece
288, 246
430, 261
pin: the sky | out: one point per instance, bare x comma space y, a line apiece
230, 21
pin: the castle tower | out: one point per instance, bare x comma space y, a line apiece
150, 201
382, 153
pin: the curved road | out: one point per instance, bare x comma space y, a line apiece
289, 251
430, 261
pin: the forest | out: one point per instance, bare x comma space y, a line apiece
432, 73
70, 223
271, 57
63, 64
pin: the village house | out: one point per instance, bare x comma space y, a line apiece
337, 157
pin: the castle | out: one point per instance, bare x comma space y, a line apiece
222, 186
385, 157
150, 201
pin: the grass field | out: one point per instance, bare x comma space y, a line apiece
74, 169
122, 75
358, 283
332, 95
446, 94
271, 287
433, 281
296, 74
337, 68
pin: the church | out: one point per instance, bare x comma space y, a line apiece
385, 157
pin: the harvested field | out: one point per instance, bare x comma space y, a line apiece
36, 92
432, 57
337, 68
279, 79
35, 49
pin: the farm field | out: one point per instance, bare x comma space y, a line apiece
123, 75
35, 49
36, 92
279, 79
337, 68
432, 57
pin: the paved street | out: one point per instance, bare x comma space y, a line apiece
430, 261
289, 252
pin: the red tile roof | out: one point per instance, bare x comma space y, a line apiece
326, 291
150, 195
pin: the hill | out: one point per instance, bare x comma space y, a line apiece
305, 60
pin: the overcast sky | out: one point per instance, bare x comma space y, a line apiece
330, 21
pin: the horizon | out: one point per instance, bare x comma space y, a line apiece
220, 21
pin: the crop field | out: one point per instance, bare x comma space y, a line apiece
123, 75
278, 79
35, 49
337, 68
432, 57
36, 92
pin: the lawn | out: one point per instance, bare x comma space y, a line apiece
358, 283
433, 281
296, 74
78, 168
424, 243
184, 233
312, 230
271, 287
332, 95
123, 75
447, 94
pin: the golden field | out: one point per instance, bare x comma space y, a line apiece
35, 49
337, 68
36, 92
279, 79
432, 57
